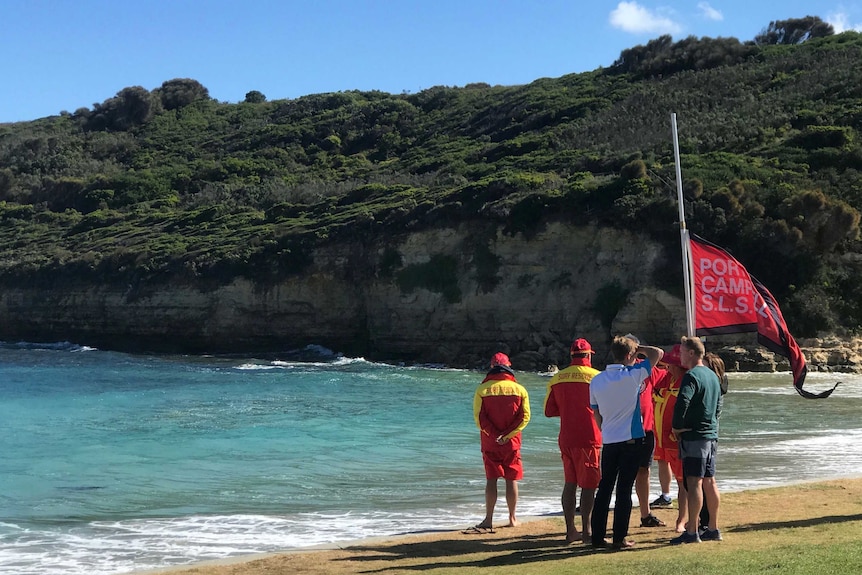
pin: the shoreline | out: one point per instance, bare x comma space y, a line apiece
333, 546
548, 525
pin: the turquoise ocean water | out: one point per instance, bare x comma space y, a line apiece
114, 463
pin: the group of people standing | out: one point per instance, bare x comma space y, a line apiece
613, 423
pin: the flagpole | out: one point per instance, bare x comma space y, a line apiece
684, 239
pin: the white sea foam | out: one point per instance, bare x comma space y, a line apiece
257, 366
54, 346
305, 365
103, 548
802, 442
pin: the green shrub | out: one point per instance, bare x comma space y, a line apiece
14, 212
814, 137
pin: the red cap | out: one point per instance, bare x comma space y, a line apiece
500, 359
672, 357
581, 346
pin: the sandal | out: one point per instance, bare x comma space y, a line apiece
652, 521
478, 530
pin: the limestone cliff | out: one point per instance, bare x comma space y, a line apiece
452, 295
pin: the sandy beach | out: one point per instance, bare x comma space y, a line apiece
742, 513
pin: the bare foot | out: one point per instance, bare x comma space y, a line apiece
588, 538
513, 523
680, 525
573, 538
484, 525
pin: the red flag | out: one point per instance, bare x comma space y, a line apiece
727, 299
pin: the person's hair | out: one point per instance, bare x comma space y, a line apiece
621, 348
693, 343
715, 363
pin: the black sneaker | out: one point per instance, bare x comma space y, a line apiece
685, 537
661, 501
710, 535
651, 521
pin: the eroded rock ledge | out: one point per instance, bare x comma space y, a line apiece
828, 354
450, 296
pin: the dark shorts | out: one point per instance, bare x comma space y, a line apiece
698, 457
646, 450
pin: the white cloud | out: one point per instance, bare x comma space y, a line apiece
632, 17
841, 22
709, 12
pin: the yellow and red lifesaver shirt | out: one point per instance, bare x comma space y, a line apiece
646, 399
501, 407
568, 398
664, 395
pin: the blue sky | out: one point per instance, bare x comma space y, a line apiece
66, 54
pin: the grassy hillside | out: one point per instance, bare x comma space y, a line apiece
169, 184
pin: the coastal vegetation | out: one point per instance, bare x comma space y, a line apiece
170, 185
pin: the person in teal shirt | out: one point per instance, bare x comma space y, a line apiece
695, 425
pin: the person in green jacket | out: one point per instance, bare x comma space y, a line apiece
695, 425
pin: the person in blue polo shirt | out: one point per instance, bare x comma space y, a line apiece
615, 400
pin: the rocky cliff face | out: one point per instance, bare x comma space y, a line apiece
546, 291
450, 295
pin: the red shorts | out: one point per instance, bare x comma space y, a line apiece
672, 457
581, 466
506, 464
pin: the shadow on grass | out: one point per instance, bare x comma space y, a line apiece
513, 550
495, 551
810, 522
